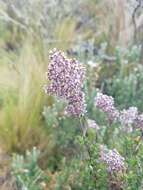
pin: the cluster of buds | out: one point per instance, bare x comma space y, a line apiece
115, 162
106, 104
92, 124
66, 78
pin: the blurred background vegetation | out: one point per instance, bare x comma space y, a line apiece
106, 36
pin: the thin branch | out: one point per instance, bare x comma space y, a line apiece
134, 19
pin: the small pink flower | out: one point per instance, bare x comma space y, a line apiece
106, 104
92, 124
114, 161
128, 117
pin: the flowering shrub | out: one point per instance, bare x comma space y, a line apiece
89, 130
98, 143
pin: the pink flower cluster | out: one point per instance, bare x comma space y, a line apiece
114, 161
67, 77
106, 104
128, 117
132, 118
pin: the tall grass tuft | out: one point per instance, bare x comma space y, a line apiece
22, 101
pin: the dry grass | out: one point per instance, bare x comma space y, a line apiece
22, 101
